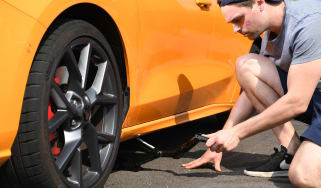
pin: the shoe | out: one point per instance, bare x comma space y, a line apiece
277, 166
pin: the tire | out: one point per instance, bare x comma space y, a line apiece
70, 122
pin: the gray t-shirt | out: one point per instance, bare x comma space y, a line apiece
300, 37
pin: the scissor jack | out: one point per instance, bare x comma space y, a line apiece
131, 159
175, 153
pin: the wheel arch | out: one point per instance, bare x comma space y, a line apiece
106, 25
103, 15
98, 17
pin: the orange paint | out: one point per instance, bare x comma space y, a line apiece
179, 57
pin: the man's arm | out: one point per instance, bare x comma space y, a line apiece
302, 81
240, 111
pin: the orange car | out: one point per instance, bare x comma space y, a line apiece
80, 76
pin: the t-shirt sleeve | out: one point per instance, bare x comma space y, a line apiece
307, 41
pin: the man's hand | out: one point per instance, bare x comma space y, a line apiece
223, 140
207, 157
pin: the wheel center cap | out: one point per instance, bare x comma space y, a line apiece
81, 104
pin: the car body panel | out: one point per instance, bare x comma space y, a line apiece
138, 130
167, 73
17, 48
176, 72
184, 73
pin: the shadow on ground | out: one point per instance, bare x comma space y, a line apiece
132, 154
141, 165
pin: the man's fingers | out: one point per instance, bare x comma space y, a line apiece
215, 146
217, 167
218, 148
208, 135
217, 164
210, 142
196, 163
190, 163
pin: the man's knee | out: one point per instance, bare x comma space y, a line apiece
305, 167
298, 176
246, 65
240, 62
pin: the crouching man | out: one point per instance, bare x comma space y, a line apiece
281, 83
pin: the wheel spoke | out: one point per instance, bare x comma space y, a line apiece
72, 141
57, 120
92, 95
98, 116
103, 98
59, 98
84, 63
106, 98
85, 157
72, 66
75, 77
100, 77
91, 140
106, 138
76, 169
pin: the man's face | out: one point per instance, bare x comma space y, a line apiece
245, 20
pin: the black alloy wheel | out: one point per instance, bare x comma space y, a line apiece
75, 81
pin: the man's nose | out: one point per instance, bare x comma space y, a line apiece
236, 28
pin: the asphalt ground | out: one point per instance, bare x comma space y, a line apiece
135, 167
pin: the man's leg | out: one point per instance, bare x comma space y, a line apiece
305, 169
259, 78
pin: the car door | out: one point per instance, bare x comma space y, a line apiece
174, 49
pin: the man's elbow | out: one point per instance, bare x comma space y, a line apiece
298, 105
300, 109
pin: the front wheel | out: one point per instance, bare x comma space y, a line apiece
71, 118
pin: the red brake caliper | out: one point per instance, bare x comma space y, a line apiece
55, 150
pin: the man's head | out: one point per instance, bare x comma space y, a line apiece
248, 17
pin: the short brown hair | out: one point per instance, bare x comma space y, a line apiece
248, 3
